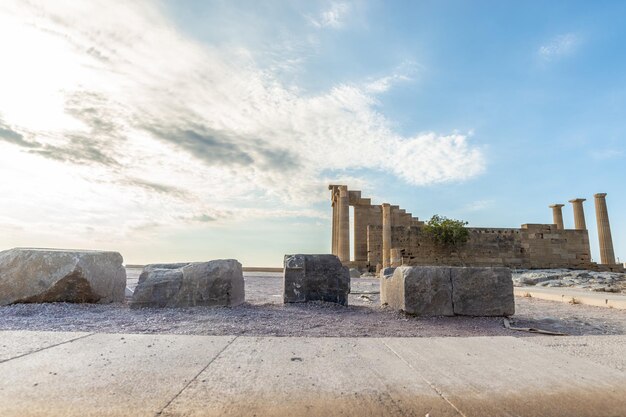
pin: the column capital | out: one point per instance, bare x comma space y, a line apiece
599, 195
578, 200
557, 205
386, 205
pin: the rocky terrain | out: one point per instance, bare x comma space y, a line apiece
264, 314
589, 280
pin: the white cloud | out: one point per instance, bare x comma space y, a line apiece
333, 17
603, 154
383, 84
558, 46
479, 205
116, 123
403, 73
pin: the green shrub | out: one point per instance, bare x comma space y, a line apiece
446, 232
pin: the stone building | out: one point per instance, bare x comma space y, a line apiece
386, 235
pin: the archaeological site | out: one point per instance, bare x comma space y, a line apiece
386, 235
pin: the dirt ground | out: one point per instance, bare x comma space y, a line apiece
264, 314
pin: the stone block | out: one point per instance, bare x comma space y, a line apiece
213, 283
447, 291
29, 275
482, 291
315, 278
423, 291
387, 272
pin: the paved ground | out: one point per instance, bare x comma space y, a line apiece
575, 296
83, 374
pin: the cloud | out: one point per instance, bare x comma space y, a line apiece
604, 154
79, 150
479, 205
156, 187
403, 73
559, 46
123, 115
333, 17
9, 135
204, 218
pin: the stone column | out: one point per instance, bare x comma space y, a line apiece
607, 256
557, 216
343, 223
579, 214
334, 231
361, 215
386, 235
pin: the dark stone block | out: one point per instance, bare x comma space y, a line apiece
315, 278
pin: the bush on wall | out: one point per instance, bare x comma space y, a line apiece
446, 232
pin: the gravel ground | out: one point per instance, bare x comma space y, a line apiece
263, 314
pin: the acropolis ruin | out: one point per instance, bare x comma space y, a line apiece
386, 235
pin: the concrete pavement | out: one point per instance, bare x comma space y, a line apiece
82, 374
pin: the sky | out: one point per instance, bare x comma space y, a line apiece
196, 130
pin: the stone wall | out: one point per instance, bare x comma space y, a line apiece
532, 246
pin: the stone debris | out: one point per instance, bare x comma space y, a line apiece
589, 280
30, 275
315, 278
265, 315
213, 283
448, 291
354, 273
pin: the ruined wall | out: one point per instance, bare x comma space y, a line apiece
548, 247
374, 246
365, 215
532, 246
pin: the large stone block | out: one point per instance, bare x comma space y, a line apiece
447, 291
315, 278
482, 291
214, 283
423, 291
29, 275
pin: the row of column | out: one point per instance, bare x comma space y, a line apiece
607, 255
341, 200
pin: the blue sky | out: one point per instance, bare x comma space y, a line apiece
194, 130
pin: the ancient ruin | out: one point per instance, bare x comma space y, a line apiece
385, 235
214, 283
449, 291
315, 278
32, 275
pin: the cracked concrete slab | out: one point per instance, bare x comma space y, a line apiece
177, 375
308, 376
506, 376
105, 375
17, 343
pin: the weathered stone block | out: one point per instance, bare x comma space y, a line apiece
482, 291
315, 278
447, 291
354, 273
214, 283
387, 272
423, 291
29, 275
